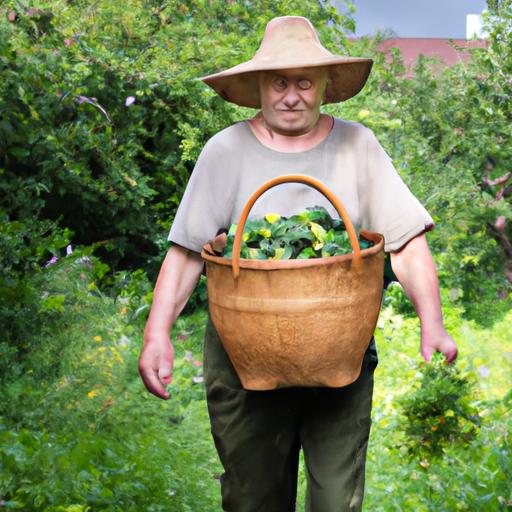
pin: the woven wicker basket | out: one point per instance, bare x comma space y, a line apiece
299, 322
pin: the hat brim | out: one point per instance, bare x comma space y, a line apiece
239, 84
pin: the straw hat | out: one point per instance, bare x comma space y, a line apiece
290, 42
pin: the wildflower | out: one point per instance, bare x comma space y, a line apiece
124, 310
97, 338
425, 464
85, 260
130, 100
197, 363
68, 42
434, 427
188, 355
363, 113
117, 355
484, 371
198, 379
69, 250
92, 393
52, 261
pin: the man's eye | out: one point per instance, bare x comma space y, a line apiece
305, 83
280, 83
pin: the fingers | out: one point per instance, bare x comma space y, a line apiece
153, 383
451, 354
165, 373
449, 350
427, 352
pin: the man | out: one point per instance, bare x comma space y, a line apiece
258, 434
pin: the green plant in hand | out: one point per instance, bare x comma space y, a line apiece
312, 233
439, 412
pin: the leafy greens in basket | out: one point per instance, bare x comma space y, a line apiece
312, 233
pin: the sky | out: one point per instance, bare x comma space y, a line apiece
414, 18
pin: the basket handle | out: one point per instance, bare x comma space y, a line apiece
295, 178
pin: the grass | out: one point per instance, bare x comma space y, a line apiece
79, 432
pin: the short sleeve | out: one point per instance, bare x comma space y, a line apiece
203, 209
387, 205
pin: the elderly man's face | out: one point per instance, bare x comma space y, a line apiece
291, 98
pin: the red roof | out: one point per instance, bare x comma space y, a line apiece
412, 47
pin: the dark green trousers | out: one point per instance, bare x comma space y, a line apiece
258, 436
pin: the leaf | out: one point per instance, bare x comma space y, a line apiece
279, 230
318, 231
330, 249
308, 252
282, 253
252, 254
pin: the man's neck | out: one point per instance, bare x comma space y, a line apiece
291, 143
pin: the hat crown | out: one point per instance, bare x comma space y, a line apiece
289, 37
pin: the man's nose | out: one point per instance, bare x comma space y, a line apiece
292, 97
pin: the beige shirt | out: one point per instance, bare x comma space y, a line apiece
349, 161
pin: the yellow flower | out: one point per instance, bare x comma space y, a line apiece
245, 237
92, 393
117, 355
97, 338
272, 217
124, 310
363, 113
434, 427
265, 233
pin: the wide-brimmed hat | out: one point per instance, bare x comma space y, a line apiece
290, 42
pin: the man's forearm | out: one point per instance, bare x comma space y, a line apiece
176, 281
415, 269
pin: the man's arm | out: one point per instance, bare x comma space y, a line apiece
414, 267
176, 281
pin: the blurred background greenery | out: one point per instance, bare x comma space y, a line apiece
101, 121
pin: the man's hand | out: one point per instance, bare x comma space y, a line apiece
155, 365
176, 281
416, 271
439, 341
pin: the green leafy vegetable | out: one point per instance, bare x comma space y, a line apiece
311, 233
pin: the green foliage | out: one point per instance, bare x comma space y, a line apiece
78, 428
466, 476
311, 233
102, 117
79, 431
446, 130
439, 412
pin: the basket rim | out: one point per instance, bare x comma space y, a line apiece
378, 238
